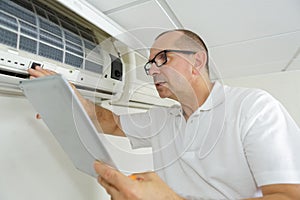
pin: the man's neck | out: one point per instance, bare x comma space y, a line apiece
193, 100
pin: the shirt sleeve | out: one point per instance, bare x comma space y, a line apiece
141, 128
272, 142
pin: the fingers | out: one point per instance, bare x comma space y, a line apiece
109, 188
112, 176
39, 72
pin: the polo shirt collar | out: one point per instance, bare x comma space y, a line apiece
216, 97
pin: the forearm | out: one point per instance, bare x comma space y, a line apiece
104, 120
272, 197
279, 192
87, 104
108, 121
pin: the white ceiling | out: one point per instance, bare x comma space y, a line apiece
244, 37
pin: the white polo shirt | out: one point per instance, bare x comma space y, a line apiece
238, 140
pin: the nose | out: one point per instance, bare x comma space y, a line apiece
154, 70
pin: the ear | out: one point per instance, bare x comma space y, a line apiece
200, 60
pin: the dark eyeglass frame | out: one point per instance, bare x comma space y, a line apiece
165, 56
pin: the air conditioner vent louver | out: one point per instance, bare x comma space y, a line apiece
50, 35
19, 75
31, 26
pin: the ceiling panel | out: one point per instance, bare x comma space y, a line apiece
255, 56
104, 5
295, 65
264, 50
145, 21
234, 21
244, 37
294, 62
251, 70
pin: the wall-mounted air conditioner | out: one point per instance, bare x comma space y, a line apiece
45, 33
75, 39
139, 90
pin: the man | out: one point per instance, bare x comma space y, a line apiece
220, 143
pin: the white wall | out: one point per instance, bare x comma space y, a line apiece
32, 164
285, 86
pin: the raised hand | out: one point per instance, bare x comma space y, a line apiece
142, 186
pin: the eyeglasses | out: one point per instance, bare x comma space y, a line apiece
161, 58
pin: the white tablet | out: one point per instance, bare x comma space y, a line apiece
56, 102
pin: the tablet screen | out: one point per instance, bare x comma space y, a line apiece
54, 99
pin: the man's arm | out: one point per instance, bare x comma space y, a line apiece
146, 186
104, 120
280, 192
149, 186
122, 187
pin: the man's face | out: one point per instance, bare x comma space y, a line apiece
174, 77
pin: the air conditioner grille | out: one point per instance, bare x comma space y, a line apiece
28, 44
8, 21
31, 26
28, 29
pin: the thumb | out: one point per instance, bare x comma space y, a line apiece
112, 176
